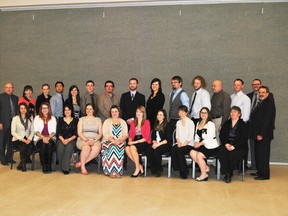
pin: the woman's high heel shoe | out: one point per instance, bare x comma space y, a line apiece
135, 176
200, 180
78, 165
84, 172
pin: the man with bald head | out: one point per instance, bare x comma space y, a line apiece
8, 109
220, 106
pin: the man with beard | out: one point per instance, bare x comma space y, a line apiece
131, 100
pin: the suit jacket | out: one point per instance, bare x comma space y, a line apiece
128, 107
104, 104
263, 120
5, 109
241, 134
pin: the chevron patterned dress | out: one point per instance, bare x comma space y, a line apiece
112, 154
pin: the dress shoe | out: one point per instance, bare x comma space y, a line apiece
183, 175
84, 172
261, 178
254, 174
203, 179
228, 179
23, 169
78, 165
4, 163
135, 176
19, 167
65, 172
158, 174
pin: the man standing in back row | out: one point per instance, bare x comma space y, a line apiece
131, 100
89, 97
8, 109
261, 131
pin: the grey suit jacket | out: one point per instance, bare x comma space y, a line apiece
85, 99
104, 104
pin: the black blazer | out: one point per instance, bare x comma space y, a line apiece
41, 99
5, 109
153, 106
128, 107
241, 134
263, 120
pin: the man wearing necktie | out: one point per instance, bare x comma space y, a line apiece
57, 100
256, 83
8, 109
131, 100
200, 98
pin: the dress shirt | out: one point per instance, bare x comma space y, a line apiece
220, 106
243, 101
202, 100
56, 103
183, 97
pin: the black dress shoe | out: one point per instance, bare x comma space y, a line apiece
254, 174
24, 169
261, 178
19, 167
228, 179
183, 175
135, 176
65, 172
4, 163
158, 174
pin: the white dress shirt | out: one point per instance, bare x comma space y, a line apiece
243, 102
202, 100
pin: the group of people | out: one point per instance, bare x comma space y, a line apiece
202, 127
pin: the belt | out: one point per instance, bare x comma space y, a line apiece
216, 117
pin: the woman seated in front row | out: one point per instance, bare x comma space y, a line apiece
45, 130
115, 133
67, 134
89, 134
159, 145
185, 139
233, 136
138, 139
205, 144
22, 132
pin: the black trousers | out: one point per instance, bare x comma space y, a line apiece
24, 149
5, 145
230, 159
262, 157
178, 158
46, 152
155, 157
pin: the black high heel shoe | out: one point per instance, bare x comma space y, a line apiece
200, 180
135, 176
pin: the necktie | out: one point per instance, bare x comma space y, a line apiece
132, 96
12, 107
172, 95
92, 100
193, 102
254, 100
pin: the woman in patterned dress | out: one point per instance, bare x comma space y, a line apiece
115, 133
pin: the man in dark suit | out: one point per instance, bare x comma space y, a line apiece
261, 131
130, 101
8, 109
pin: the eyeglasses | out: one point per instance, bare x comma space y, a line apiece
203, 112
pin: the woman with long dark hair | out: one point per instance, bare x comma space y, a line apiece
22, 132
45, 130
155, 101
29, 100
74, 100
159, 144
67, 134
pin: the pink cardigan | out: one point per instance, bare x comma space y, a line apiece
145, 130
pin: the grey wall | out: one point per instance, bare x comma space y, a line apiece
216, 41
